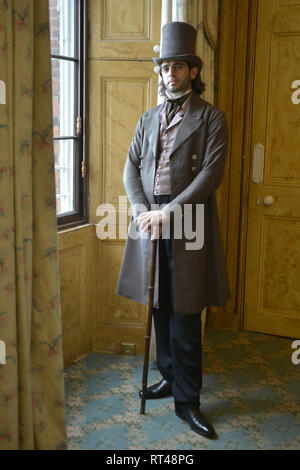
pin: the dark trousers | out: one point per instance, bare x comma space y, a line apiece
178, 336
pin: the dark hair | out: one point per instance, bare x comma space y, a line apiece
197, 85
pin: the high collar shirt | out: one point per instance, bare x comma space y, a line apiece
167, 135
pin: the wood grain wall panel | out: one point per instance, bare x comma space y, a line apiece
77, 249
131, 22
120, 93
289, 3
118, 320
124, 28
122, 86
115, 310
123, 102
71, 261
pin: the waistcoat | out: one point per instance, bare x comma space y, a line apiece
167, 134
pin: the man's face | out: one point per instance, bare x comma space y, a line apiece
177, 75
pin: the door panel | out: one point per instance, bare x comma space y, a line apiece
272, 288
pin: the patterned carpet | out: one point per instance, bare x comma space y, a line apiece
250, 393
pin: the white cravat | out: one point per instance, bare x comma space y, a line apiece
177, 94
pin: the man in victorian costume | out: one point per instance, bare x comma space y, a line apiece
176, 159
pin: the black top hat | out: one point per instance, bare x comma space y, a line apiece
178, 42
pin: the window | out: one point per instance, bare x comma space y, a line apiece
68, 54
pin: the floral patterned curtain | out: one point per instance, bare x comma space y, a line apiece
32, 412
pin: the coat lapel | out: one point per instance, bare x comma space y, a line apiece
190, 122
176, 119
163, 119
192, 119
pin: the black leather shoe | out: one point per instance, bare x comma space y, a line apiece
197, 422
160, 390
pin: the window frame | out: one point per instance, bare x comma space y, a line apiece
80, 215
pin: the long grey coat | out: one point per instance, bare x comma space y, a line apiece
196, 168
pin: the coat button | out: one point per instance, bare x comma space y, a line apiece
194, 157
194, 168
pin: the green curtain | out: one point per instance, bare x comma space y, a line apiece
32, 414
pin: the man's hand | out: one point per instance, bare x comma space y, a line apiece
151, 222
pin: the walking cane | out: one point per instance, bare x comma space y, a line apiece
149, 324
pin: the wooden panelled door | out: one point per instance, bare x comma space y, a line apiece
272, 283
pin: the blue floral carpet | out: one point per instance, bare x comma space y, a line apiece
250, 393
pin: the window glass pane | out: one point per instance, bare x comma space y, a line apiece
63, 86
62, 22
64, 175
